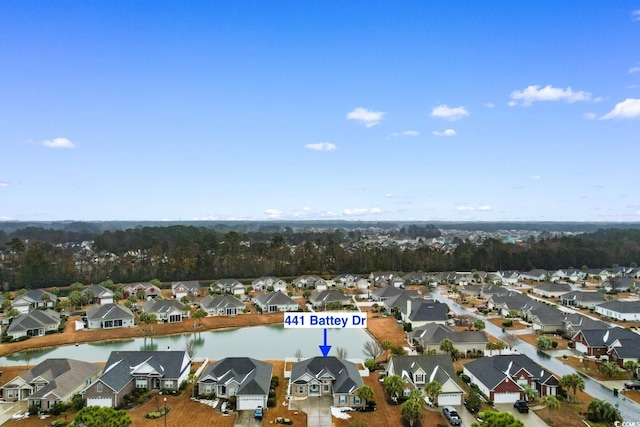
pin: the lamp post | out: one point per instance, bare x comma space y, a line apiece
165, 412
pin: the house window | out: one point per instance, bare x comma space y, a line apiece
406, 392
168, 384
325, 388
99, 388
419, 378
9, 393
342, 400
300, 390
141, 383
356, 400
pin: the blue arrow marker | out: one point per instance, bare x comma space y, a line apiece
325, 349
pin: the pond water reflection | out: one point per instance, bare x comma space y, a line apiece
260, 342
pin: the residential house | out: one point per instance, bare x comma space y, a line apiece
327, 376
419, 278
109, 316
634, 273
346, 280
620, 310
509, 303
431, 335
128, 370
188, 288
229, 286
50, 382
619, 284
582, 299
34, 299
509, 277
491, 289
419, 312
471, 291
99, 295
168, 311
418, 371
35, 323
321, 299
594, 342
536, 275
309, 281
623, 350
551, 289
222, 305
386, 292
269, 283
543, 317
386, 278
569, 274
593, 273
273, 302
143, 290
502, 377
245, 378
575, 322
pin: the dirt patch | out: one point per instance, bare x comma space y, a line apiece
568, 414
590, 367
533, 340
516, 324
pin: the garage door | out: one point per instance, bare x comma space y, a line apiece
99, 402
505, 397
249, 402
581, 348
452, 399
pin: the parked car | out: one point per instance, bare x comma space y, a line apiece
258, 413
521, 406
632, 385
451, 415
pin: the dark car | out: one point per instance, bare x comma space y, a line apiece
451, 415
632, 385
521, 406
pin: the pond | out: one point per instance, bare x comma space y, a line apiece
260, 342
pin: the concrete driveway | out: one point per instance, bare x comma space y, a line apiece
529, 420
245, 419
8, 410
318, 410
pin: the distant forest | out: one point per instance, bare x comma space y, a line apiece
36, 257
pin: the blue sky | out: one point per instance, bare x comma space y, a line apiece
359, 110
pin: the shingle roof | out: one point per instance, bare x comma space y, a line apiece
109, 312
221, 301
584, 296
492, 370
427, 311
163, 306
436, 367
275, 298
33, 320
253, 376
347, 377
433, 333
63, 376
621, 306
118, 371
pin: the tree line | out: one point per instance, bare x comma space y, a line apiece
36, 258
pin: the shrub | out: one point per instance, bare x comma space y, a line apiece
77, 402
507, 323
271, 402
465, 378
554, 344
275, 381
59, 423
58, 408
33, 410
459, 372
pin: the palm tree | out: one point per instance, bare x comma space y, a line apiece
574, 382
611, 369
143, 318
365, 393
530, 393
197, 315
152, 320
393, 384
550, 402
631, 366
433, 390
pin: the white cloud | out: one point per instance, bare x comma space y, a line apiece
627, 109
302, 213
484, 208
6, 218
634, 70
360, 212
450, 113
388, 195
590, 116
273, 213
321, 146
464, 208
4, 184
635, 15
447, 132
512, 103
535, 177
367, 117
406, 133
490, 105
533, 94
58, 143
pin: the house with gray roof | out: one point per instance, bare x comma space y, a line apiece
141, 289
431, 335
536, 275
508, 303
582, 299
623, 350
309, 281
99, 294
273, 302
619, 284
575, 322
419, 312
50, 382
186, 288
387, 292
167, 311
269, 283
594, 342
551, 289
327, 376
471, 290
543, 317
418, 371
321, 299
109, 316
245, 378
128, 370
35, 323
385, 278
620, 310
34, 299
491, 289
229, 286
501, 377
222, 305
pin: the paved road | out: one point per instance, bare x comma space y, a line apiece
629, 409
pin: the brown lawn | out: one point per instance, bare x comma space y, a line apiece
533, 340
589, 367
516, 323
568, 414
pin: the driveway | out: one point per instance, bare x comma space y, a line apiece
245, 419
318, 410
529, 420
8, 410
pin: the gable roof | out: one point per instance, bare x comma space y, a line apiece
191, 285
123, 365
163, 306
253, 376
33, 296
34, 320
584, 296
110, 311
346, 375
553, 287
433, 333
99, 291
275, 298
621, 306
428, 311
605, 337
328, 296
627, 348
221, 301
436, 367
62, 376
491, 371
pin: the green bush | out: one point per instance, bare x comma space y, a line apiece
554, 344
465, 378
271, 402
58, 408
59, 423
507, 323
275, 381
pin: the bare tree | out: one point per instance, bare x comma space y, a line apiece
510, 339
372, 349
298, 354
341, 352
190, 348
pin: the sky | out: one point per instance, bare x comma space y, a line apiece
358, 110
